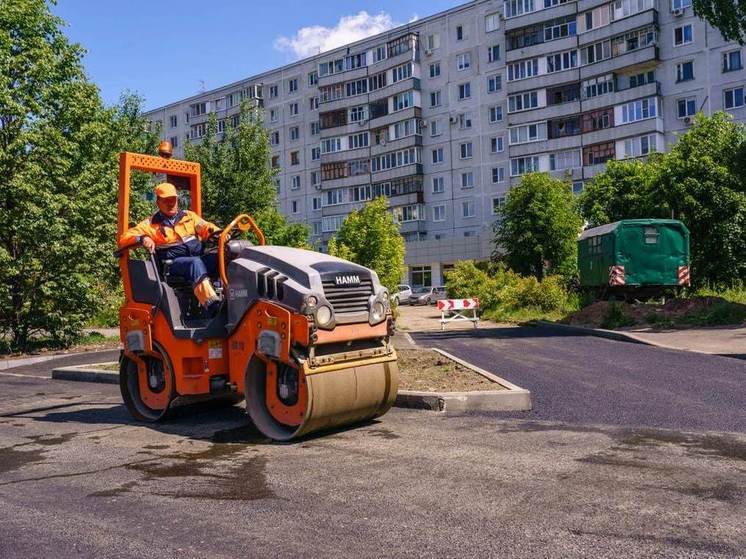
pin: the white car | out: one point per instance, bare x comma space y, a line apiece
427, 295
403, 293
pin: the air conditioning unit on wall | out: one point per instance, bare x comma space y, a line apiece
678, 12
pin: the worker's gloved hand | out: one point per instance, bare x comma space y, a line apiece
149, 244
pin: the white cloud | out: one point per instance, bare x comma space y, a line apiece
314, 39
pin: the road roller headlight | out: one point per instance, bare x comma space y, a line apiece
377, 312
324, 316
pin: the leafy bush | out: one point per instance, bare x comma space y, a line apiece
615, 317
507, 296
719, 314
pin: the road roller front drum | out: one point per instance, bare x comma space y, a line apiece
286, 401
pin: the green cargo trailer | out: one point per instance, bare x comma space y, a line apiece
634, 257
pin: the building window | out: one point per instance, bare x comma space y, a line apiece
464, 90
313, 78
273, 115
315, 178
294, 133
435, 98
357, 141
295, 183
493, 53
315, 154
316, 227
497, 144
294, 206
174, 141
515, 8
523, 165
295, 158
316, 202
523, 101
682, 35
496, 114
467, 208
559, 28
463, 61
639, 110
595, 53
274, 138
494, 83
528, 133
434, 69
638, 147
275, 162
491, 22
273, 91
439, 213
292, 85
315, 128
438, 155
434, 128
598, 154
313, 104
438, 185
402, 101
680, 4
467, 179
597, 120
358, 114
562, 61
561, 160
733, 98
402, 72
524, 69
732, 61
498, 174
357, 87
467, 149
598, 86
293, 109
421, 276
686, 107
173, 120
464, 121
459, 32
685, 71
433, 41
497, 204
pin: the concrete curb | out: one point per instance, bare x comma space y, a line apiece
6, 364
86, 374
601, 333
513, 398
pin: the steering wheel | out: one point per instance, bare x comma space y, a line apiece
244, 223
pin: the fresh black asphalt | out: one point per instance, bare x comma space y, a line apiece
580, 379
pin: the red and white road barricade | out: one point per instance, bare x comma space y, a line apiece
454, 310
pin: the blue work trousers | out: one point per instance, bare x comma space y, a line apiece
195, 268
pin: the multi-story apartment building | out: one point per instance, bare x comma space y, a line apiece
444, 114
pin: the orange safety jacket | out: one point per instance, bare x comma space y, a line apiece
175, 237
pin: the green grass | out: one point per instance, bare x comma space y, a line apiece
48, 344
719, 314
526, 314
736, 294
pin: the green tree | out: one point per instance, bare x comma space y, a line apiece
728, 16
58, 171
622, 191
370, 237
700, 181
538, 227
237, 178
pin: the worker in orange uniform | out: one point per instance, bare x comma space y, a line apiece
177, 235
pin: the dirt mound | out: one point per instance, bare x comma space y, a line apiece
675, 313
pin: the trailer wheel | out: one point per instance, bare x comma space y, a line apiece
147, 389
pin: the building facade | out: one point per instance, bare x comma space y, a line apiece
444, 114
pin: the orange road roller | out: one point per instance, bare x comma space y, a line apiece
303, 337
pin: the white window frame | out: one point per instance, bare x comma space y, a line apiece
468, 209
687, 101
439, 209
463, 61
438, 185
683, 34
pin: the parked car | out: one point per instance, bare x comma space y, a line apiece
402, 295
427, 295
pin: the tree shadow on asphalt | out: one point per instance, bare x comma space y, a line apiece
523, 331
215, 422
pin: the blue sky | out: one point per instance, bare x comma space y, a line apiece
163, 49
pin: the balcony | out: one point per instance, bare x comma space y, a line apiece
538, 16
398, 172
557, 144
619, 131
394, 88
541, 49
391, 118
621, 96
619, 27
344, 76
616, 63
544, 113
395, 145
345, 155
543, 81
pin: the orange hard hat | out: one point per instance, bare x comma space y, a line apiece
165, 190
